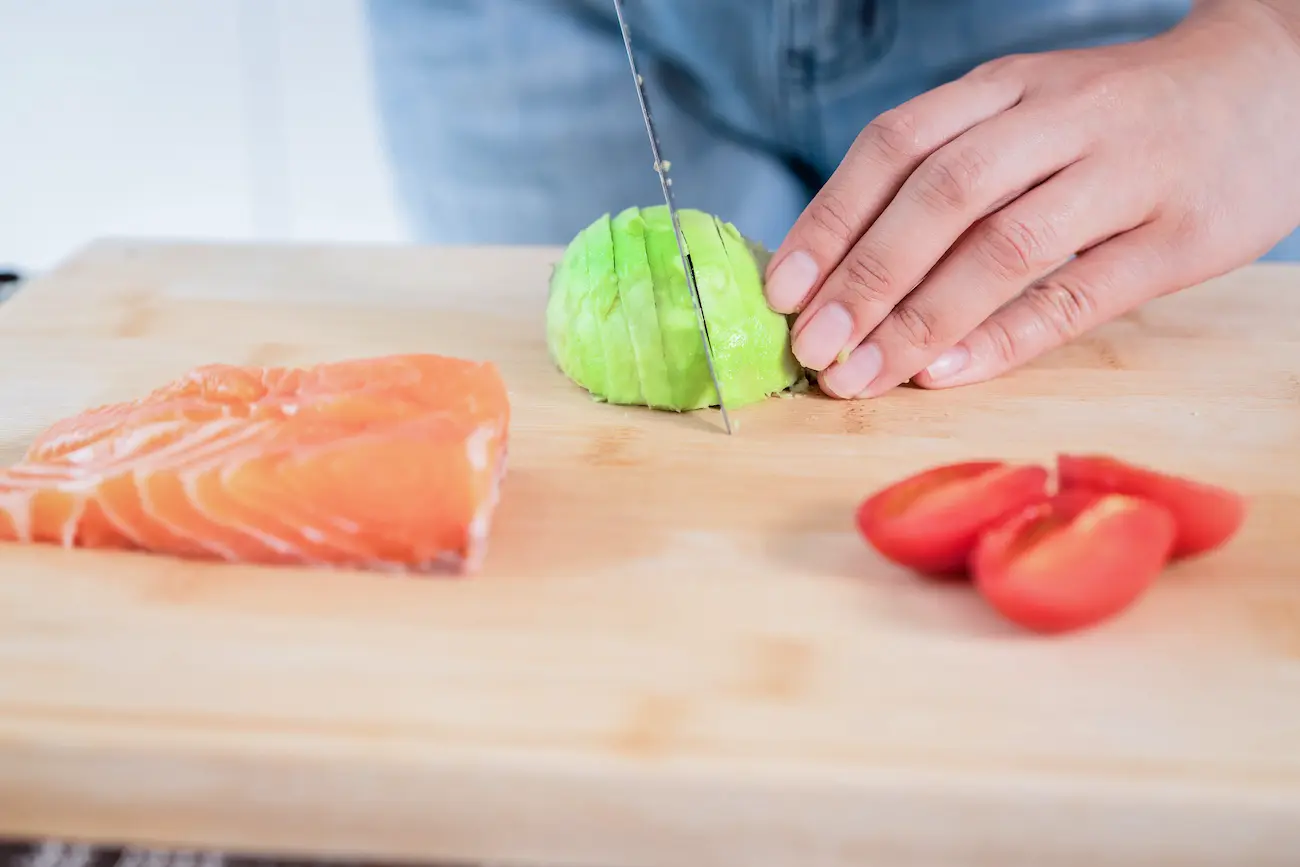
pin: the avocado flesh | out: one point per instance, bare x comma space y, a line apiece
559, 318
621, 322
622, 375
573, 334
758, 345
636, 286
688, 369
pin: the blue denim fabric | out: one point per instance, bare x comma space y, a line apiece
515, 121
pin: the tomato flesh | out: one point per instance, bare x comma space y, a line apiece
1207, 516
1073, 561
932, 520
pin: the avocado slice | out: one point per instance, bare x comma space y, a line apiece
687, 367
761, 361
636, 287
623, 375
583, 346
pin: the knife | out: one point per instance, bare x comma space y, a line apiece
661, 168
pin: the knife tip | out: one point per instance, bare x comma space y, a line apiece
726, 420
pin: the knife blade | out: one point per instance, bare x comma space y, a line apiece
661, 168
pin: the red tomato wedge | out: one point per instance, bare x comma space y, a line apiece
1073, 561
931, 521
1207, 515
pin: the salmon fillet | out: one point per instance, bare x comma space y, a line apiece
391, 463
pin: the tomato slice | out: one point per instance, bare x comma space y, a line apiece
931, 521
1207, 515
1074, 561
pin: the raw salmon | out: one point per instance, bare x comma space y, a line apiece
391, 463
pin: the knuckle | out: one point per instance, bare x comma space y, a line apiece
1062, 304
1104, 91
998, 67
831, 215
1192, 226
867, 277
917, 325
1012, 246
1002, 342
951, 181
893, 136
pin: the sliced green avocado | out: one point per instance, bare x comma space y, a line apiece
585, 346
636, 286
558, 307
761, 362
623, 377
718, 297
678, 324
662, 363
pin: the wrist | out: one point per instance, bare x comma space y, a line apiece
1276, 22
1287, 15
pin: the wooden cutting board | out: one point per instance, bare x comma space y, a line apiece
680, 652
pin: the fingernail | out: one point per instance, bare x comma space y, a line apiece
823, 337
791, 282
951, 363
852, 376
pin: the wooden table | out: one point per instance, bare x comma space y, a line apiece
680, 652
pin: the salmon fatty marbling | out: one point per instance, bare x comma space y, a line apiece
391, 463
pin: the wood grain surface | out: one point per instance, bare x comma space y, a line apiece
680, 653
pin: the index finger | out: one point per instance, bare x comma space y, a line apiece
882, 157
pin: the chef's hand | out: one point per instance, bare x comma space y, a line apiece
940, 249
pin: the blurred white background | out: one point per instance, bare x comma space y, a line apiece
223, 119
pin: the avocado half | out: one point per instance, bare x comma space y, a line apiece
620, 322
